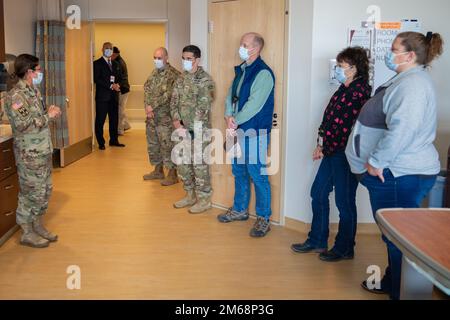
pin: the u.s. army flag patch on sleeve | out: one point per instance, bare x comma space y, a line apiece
18, 106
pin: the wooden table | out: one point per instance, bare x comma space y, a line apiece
423, 236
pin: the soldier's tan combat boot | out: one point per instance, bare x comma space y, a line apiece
31, 238
171, 179
157, 174
187, 201
39, 228
201, 206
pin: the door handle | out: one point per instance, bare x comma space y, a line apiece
6, 150
8, 214
9, 187
7, 169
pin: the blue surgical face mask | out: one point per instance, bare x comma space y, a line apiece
390, 58
339, 74
243, 53
108, 53
159, 64
37, 81
187, 65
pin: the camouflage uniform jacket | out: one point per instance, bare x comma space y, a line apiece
158, 88
192, 97
29, 121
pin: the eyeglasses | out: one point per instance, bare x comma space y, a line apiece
337, 66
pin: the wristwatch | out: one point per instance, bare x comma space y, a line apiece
320, 138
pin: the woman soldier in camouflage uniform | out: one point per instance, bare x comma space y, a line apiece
32, 148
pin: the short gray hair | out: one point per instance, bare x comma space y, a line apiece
258, 39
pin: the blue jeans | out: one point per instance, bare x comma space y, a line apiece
252, 167
334, 172
402, 192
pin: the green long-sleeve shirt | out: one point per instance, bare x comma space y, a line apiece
259, 93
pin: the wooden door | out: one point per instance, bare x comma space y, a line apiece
79, 92
229, 20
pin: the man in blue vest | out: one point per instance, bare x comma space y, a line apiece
249, 111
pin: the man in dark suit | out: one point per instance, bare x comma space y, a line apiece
107, 79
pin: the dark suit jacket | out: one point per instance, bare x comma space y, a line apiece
124, 84
102, 80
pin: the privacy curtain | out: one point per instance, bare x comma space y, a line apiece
50, 49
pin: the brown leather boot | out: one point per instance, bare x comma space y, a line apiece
157, 174
171, 179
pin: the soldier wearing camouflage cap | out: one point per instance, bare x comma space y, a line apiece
33, 150
191, 102
158, 92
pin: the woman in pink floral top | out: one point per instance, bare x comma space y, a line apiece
334, 172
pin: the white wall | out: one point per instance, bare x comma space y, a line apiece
20, 26
199, 28
329, 37
129, 9
178, 29
299, 171
317, 32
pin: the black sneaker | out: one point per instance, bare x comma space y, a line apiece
374, 290
306, 248
232, 215
261, 228
331, 256
116, 144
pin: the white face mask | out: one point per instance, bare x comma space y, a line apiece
37, 81
187, 65
244, 54
6, 65
108, 53
159, 64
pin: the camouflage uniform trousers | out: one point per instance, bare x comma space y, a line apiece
35, 181
196, 176
159, 143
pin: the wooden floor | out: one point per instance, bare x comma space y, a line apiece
131, 244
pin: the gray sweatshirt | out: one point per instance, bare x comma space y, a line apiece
397, 127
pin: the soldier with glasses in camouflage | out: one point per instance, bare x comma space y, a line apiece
33, 149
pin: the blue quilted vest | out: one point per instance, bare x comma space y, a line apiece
262, 120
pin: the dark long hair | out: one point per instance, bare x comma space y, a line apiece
22, 64
356, 56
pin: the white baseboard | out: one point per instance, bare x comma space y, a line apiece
363, 228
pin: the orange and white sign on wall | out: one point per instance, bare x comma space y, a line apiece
388, 25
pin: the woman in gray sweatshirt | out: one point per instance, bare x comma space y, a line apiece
391, 147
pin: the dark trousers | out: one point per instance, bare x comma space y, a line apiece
401, 192
111, 109
334, 173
